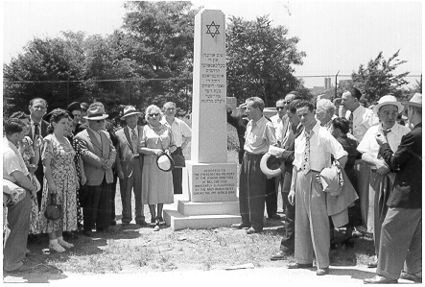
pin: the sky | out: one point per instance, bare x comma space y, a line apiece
336, 35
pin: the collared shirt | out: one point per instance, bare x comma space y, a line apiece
370, 146
33, 127
130, 131
96, 134
180, 129
12, 160
278, 127
363, 119
322, 146
259, 136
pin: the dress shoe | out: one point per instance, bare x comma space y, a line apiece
274, 216
373, 264
240, 226
410, 277
20, 267
87, 233
278, 256
322, 271
299, 265
113, 222
252, 230
156, 228
161, 221
141, 223
379, 280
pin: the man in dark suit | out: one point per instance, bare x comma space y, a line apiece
129, 165
401, 235
38, 108
98, 154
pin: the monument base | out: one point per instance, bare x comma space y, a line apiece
200, 215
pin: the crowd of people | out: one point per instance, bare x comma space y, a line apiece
324, 158
61, 170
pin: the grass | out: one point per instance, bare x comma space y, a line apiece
136, 249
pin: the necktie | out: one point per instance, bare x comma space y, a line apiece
306, 162
36, 130
384, 132
350, 122
134, 140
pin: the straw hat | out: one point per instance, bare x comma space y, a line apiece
95, 112
165, 162
129, 111
415, 101
388, 100
270, 165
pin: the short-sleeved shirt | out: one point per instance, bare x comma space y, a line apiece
259, 136
370, 146
12, 160
180, 129
278, 127
322, 146
363, 119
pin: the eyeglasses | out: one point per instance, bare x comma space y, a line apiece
153, 115
286, 102
280, 108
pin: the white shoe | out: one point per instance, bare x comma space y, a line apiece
65, 244
55, 246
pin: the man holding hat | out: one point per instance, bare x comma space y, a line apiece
401, 235
129, 165
381, 179
98, 154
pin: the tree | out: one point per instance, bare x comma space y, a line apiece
45, 60
378, 79
162, 37
260, 60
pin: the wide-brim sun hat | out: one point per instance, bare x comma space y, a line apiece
95, 112
164, 162
388, 100
270, 165
129, 111
415, 101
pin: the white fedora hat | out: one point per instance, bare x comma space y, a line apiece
415, 101
165, 162
268, 161
129, 111
388, 100
95, 112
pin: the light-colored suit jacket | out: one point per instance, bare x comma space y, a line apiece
126, 153
93, 153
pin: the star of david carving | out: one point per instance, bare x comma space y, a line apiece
214, 32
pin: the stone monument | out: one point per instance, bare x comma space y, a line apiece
210, 179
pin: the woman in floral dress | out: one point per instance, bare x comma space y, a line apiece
157, 185
60, 178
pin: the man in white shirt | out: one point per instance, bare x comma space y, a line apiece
181, 134
130, 165
360, 119
313, 150
381, 180
18, 214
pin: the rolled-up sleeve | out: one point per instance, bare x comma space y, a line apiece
335, 148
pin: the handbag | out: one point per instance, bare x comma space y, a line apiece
53, 209
178, 158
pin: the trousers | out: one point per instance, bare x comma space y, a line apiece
18, 217
401, 243
271, 197
97, 207
311, 221
132, 182
252, 189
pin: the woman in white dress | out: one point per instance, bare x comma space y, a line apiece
157, 185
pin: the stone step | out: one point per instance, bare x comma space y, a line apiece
178, 221
189, 208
